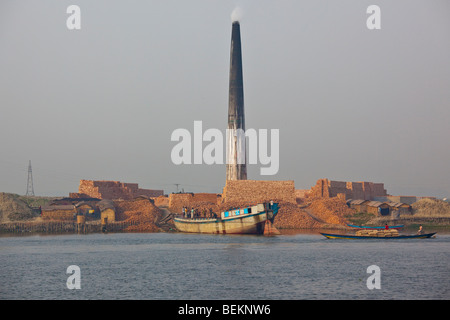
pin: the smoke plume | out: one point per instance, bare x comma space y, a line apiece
236, 15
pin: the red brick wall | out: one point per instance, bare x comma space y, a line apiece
325, 188
115, 190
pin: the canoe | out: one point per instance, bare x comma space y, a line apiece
349, 236
376, 227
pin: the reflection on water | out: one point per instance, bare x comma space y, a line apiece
294, 265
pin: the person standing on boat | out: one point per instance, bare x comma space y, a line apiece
386, 227
420, 230
192, 212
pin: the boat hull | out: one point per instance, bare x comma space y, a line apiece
249, 224
348, 236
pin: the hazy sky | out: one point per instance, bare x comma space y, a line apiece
101, 103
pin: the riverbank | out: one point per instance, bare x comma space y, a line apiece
132, 226
151, 215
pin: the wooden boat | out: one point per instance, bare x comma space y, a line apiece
348, 236
248, 220
376, 227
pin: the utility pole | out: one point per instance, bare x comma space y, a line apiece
30, 188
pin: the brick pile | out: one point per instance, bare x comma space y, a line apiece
325, 188
331, 210
300, 195
59, 212
113, 190
161, 201
259, 191
179, 200
140, 211
290, 216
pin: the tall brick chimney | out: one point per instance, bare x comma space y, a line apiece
236, 147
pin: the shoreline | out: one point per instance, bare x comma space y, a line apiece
59, 227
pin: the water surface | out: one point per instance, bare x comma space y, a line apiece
192, 266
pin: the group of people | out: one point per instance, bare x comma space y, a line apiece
195, 213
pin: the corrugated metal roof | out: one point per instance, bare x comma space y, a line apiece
58, 207
396, 204
375, 203
106, 204
83, 203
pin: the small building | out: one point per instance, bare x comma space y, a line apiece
59, 212
399, 208
85, 209
107, 210
360, 205
378, 208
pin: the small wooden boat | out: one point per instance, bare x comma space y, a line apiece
349, 236
376, 227
248, 220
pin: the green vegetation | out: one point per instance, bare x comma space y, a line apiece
33, 201
360, 218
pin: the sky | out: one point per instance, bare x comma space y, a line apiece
101, 103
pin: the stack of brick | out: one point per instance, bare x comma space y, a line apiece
161, 201
59, 212
290, 216
113, 190
300, 195
259, 191
179, 200
331, 210
325, 188
142, 212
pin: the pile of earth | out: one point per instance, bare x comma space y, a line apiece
431, 208
13, 208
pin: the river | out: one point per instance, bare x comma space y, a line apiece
175, 266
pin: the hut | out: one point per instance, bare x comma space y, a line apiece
107, 210
59, 212
85, 209
359, 205
399, 208
378, 208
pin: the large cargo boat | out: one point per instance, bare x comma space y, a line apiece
247, 220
